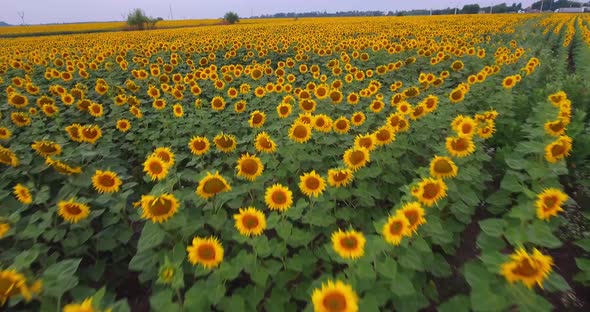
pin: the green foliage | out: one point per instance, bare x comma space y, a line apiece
231, 17
138, 20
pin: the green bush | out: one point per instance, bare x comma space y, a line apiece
137, 19
231, 17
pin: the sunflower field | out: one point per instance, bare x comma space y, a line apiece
330, 164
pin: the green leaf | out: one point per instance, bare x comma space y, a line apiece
411, 259
63, 268
402, 286
584, 243
583, 264
483, 299
459, 303
151, 236
236, 303
556, 282
387, 268
25, 258
368, 304
195, 299
477, 276
540, 234
493, 227
517, 163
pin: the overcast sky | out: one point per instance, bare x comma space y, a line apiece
68, 11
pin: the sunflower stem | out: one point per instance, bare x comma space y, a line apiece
179, 297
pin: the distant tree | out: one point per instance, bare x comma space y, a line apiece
231, 17
470, 9
139, 20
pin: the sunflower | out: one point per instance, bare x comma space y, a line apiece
443, 167
414, 213
341, 125
23, 194
430, 103
457, 65
136, 111
264, 144
486, 131
218, 103
557, 98
85, 306
20, 119
212, 185
159, 104
404, 108
284, 110
72, 211
8, 157
250, 221
74, 132
90, 133
549, 203
17, 100
158, 208
205, 251
340, 177
509, 82
155, 167
430, 191
377, 106
384, 135
555, 128
312, 184
62, 167
460, 147
165, 154
395, 229
358, 119
466, 127
123, 125
5, 133
153, 92
558, 149
13, 284
529, 269
306, 118
95, 110
367, 141
457, 95
278, 197
199, 145
249, 167
225, 142
240, 106
353, 98
334, 297
4, 228
257, 119
49, 110
177, 110
300, 132
356, 158
46, 148
336, 96
349, 244
106, 181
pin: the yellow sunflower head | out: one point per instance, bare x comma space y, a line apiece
257, 119
46, 148
558, 149
212, 185
384, 135
199, 145
23, 194
155, 167
530, 269
395, 229
158, 208
349, 244
207, 252
249, 167
72, 211
414, 213
123, 125
356, 158
225, 142
549, 203
312, 184
278, 197
106, 181
335, 297
250, 221
443, 167
340, 177
341, 125
430, 191
264, 144
300, 132
460, 146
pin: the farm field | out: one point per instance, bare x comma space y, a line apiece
434, 163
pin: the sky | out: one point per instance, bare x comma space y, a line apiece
70, 11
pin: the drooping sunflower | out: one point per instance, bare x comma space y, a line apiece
430, 191
341, 125
165, 154
13, 284
384, 135
335, 297
395, 229
106, 181
225, 142
250, 221
312, 184
199, 145
486, 131
207, 252
530, 269
300, 132
356, 158
155, 168
61, 167
557, 98
249, 167
20, 119
158, 208
212, 185
558, 149
349, 244
23, 194
284, 110
414, 213
123, 125
46, 148
443, 167
278, 197
90, 133
257, 119
5, 133
72, 211
549, 203
460, 147
218, 103
340, 177
264, 144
